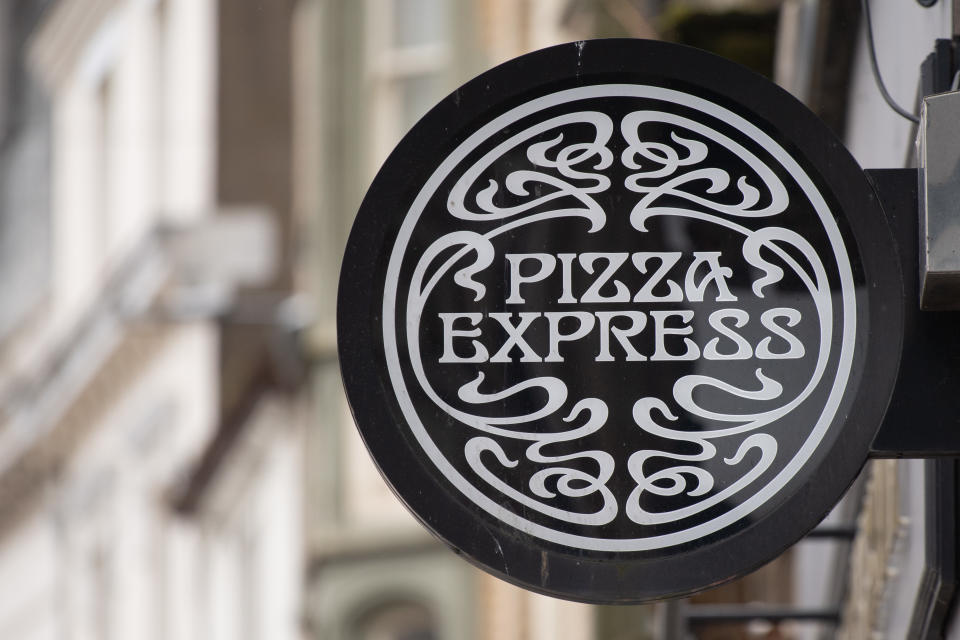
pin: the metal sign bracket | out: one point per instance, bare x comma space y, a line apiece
923, 418
938, 154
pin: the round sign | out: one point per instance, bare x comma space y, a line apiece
618, 320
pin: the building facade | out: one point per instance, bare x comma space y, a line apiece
131, 261
366, 71
177, 182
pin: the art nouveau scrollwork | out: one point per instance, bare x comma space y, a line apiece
671, 167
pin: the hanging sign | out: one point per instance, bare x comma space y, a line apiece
618, 320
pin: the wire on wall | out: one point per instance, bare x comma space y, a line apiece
876, 69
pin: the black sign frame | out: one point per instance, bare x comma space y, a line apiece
616, 577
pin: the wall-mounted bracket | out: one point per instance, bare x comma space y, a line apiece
923, 418
938, 151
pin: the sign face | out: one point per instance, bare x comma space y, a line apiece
618, 320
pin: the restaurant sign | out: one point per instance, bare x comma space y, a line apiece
618, 320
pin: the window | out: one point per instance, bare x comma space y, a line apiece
396, 621
408, 54
24, 172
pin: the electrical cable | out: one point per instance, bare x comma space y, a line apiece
876, 69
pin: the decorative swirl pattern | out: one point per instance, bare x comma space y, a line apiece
458, 246
676, 476
771, 239
675, 175
572, 483
561, 190
695, 152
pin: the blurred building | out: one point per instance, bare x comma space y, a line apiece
177, 181
150, 461
176, 456
366, 71
902, 580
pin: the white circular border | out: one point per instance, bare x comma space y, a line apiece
619, 544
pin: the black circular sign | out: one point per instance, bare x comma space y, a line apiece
618, 320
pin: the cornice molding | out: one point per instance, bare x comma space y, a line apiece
23, 483
58, 42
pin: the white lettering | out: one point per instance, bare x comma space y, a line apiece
547, 264
660, 323
586, 321
717, 275
566, 271
740, 318
480, 353
515, 337
794, 346
614, 262
638, 322
667, 260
